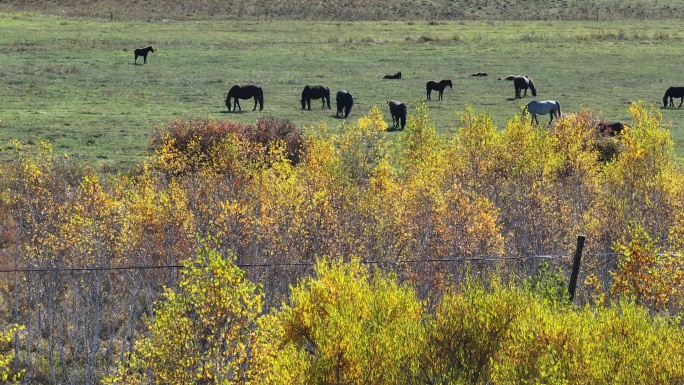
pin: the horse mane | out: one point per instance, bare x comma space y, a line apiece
558, 104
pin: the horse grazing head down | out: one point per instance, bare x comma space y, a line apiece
245, 92
523, 83
551, 107
345, 101
398, 112
315, 92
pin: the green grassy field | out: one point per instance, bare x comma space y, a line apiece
73, 81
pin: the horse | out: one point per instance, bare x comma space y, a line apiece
245, 92
437, 86
610, 129
142, 52
345, 101
480, 74
673, 92
398, 112
395, 76
523, 83
550, 107
315, 92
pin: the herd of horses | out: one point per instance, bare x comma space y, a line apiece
398, 110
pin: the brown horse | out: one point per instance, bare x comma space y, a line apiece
245, 92
142, 52
437, 86
398, 112
610, 129
315, 92
673, 92
395, 76
523, 83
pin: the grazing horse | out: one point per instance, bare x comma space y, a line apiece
245, 92
673, 92
523, 83
345, 101
550, 107
398, 112
315, 92
395, 76
437, 86
142, 52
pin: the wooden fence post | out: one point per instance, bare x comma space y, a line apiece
575, 266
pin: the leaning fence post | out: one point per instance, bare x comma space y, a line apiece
575, 266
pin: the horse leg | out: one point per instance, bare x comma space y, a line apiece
428, 94
255, 103
440, 94
681, 101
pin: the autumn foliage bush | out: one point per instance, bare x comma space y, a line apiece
427, 210
186, 146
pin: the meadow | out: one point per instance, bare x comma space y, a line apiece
72, 81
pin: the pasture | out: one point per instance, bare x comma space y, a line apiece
73, 82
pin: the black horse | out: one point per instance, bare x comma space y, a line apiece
142, 52
245, 92
523, 83
395, 76
673, 92
345, 101
398, 112
315, 92
437, 86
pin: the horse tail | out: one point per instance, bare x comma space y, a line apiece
559, 109
260, 95
327, 94
532, 87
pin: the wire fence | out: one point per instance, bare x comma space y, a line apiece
607, 258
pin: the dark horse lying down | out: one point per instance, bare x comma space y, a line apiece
395, 76
673, 92
142, 52
398, 112
245, 92
437, 86
315, 92
345, 101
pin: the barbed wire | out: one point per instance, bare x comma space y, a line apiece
286, 264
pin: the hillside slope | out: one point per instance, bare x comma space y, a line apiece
356, 9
